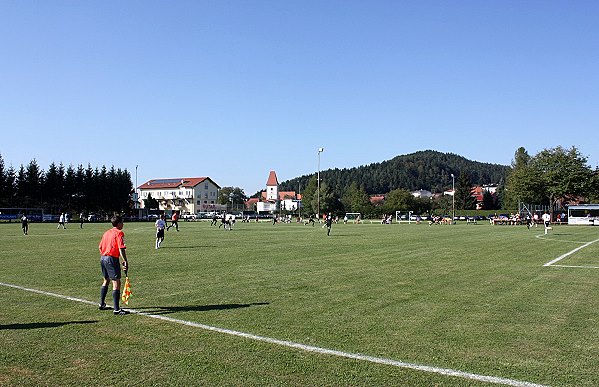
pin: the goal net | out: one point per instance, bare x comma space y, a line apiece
354, 217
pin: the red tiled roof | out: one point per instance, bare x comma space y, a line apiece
377, 199
477, 192
282, 195
250, 203
187, 182
272, 179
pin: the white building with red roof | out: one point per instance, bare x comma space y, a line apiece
269, 199
187, 195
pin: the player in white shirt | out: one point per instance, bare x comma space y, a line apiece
160, 226
547, 221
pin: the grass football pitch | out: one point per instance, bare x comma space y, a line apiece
285, 305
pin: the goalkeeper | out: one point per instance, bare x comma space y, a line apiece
112, 247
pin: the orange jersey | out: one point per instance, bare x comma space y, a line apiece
175, 216
112, 241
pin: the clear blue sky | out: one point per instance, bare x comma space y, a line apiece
233, 89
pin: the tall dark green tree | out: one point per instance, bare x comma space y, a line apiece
308, 195
564, 173
399, 200
326, 200
22, 187
489, 202
355, 199
463, 193
101, 190
524, 183
10, 189
3, 183
70, 198
150, 202
231, 195
54, 188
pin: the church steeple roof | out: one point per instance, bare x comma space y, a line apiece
272, 179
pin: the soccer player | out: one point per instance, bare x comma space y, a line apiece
160, 226
112, 247
547, 221
174, 221
24, 224
62, 221
329, 223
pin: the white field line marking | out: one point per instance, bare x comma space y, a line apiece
550, 263
309, 348
543, 237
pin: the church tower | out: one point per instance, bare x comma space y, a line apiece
272, 187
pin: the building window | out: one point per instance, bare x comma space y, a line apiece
206, 186
199, 202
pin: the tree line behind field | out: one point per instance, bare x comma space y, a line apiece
551, 177
351, 189
429, 170
59, 189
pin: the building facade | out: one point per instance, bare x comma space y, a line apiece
273, 200
187, 195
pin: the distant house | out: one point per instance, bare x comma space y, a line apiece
478, 193
271, 198
422, 193
377, 200
187, 195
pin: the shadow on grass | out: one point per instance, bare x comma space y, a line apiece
187, 247
43, 325
196, 308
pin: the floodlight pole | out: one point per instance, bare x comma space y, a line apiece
320, 150
453, 198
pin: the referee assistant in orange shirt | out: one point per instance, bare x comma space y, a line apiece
112, 247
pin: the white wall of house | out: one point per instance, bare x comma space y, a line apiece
272, 192
266, 207
201, 198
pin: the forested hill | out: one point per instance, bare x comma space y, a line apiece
429, 170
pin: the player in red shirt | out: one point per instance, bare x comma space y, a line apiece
174, 221
112, 247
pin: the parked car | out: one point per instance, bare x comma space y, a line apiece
188, 217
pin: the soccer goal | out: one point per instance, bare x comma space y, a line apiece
403, 216
354, 217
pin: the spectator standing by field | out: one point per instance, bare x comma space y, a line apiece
81, 217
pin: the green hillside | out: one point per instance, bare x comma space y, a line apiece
429, 170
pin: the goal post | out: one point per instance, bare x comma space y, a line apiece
355, 217
403, 216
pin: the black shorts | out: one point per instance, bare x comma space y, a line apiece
160, 233
111, 268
